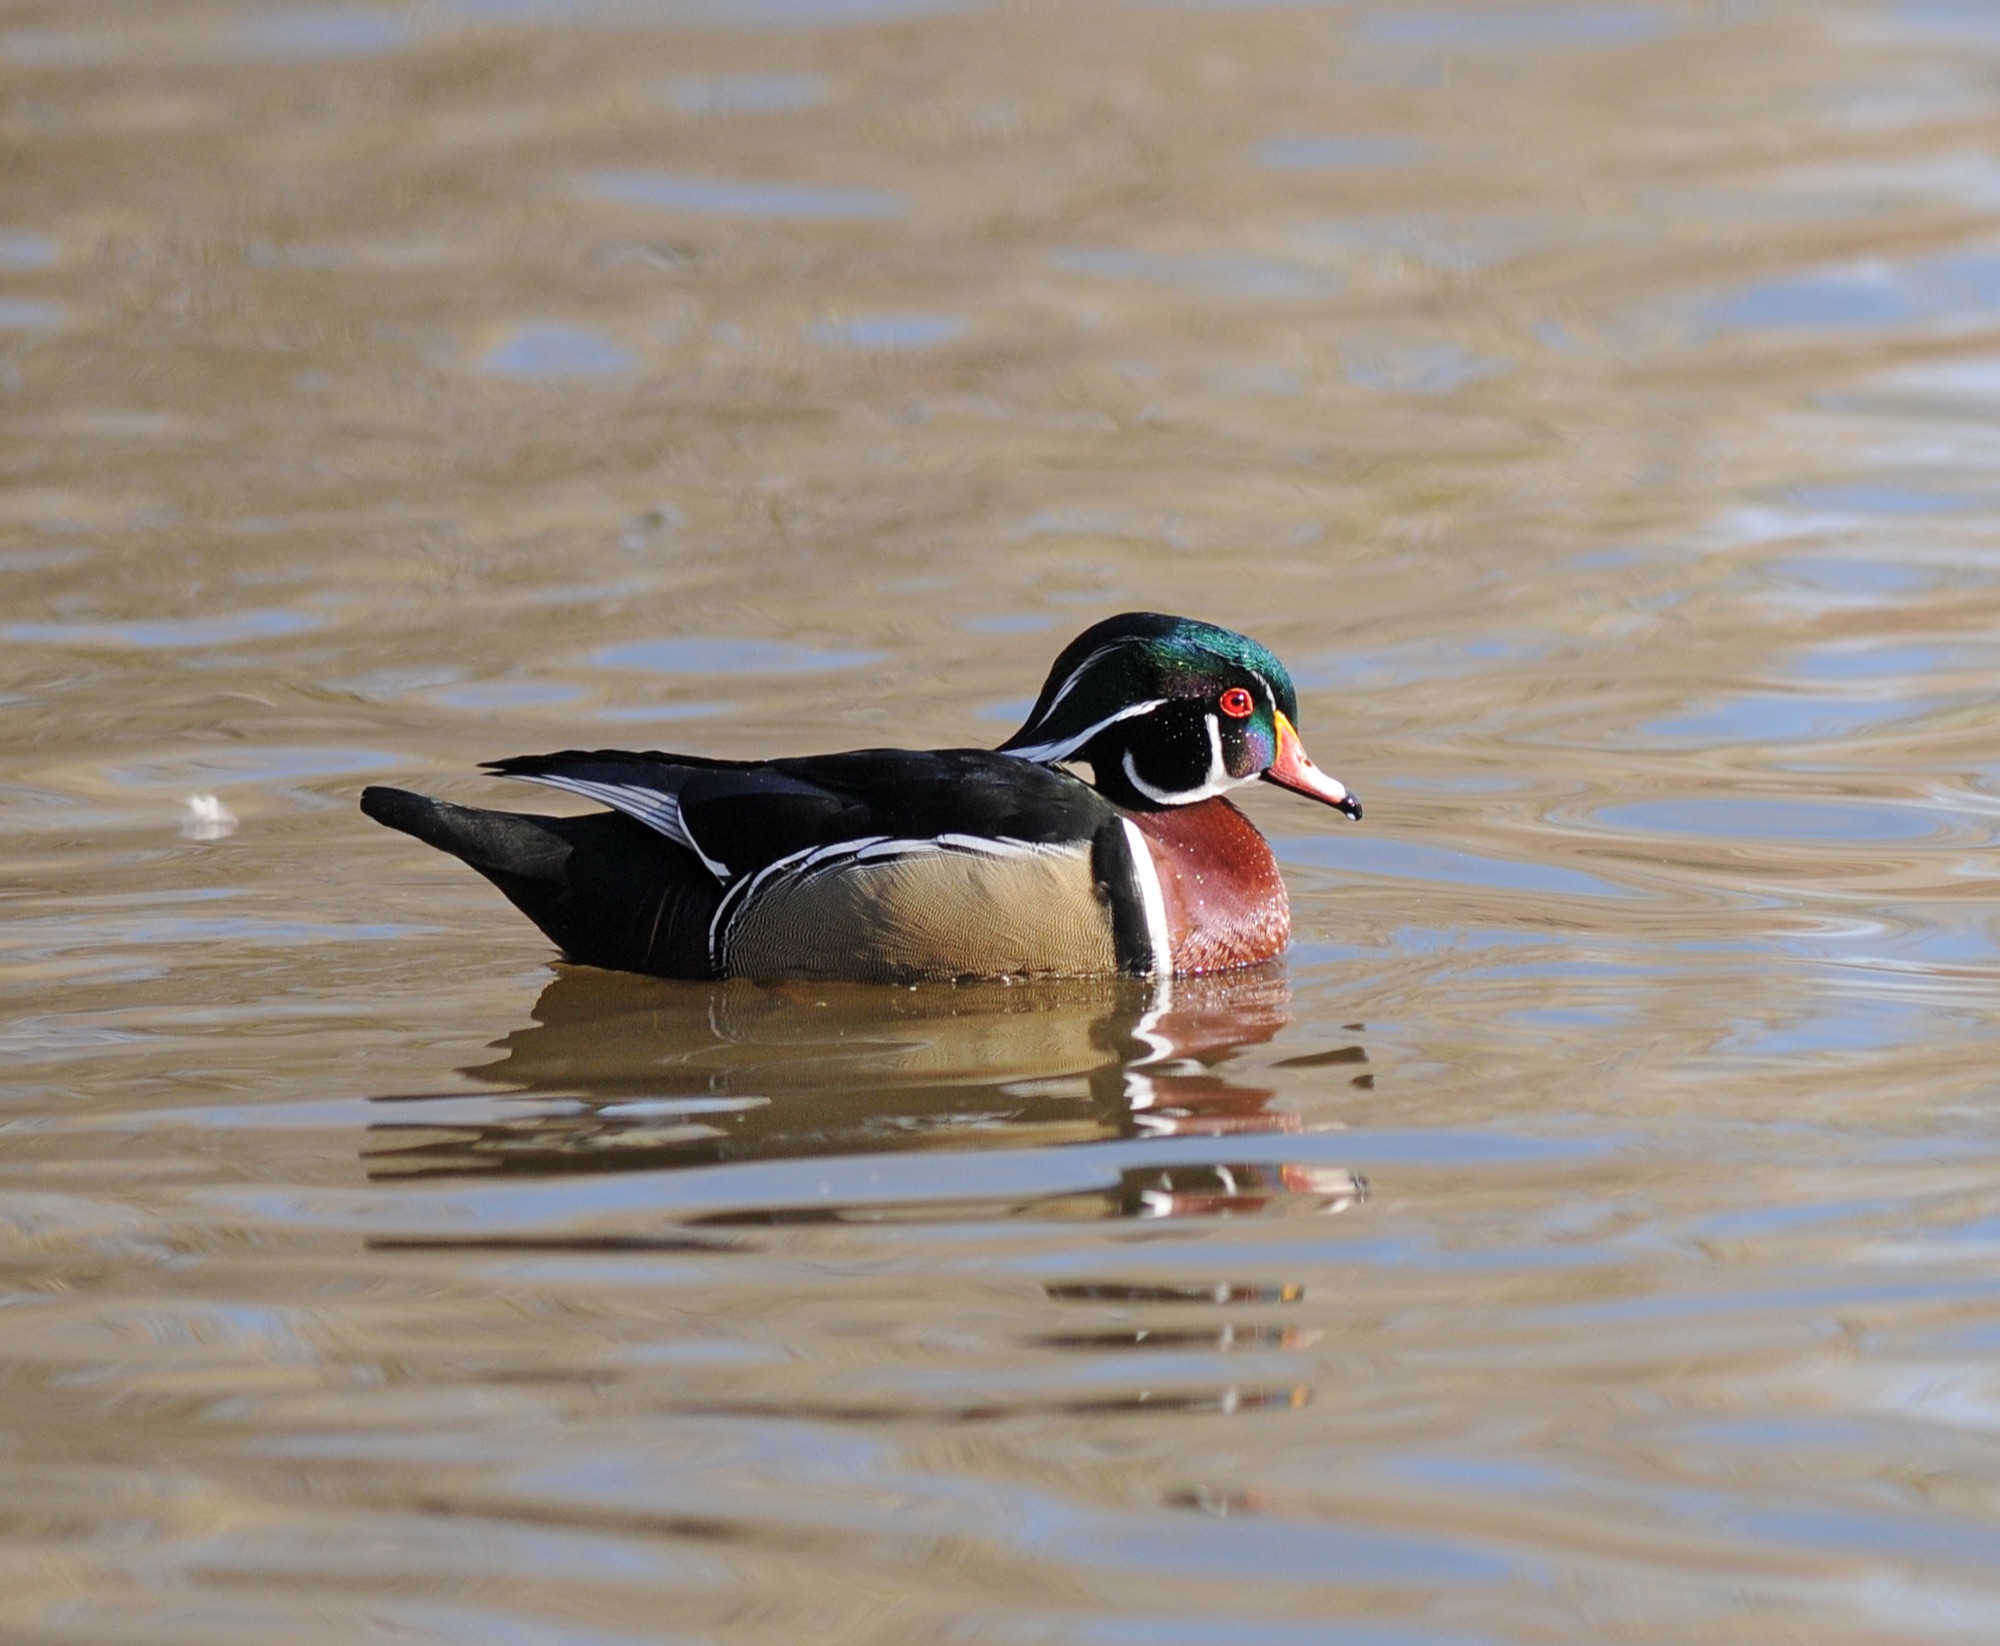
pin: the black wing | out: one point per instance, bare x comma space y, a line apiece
739, 816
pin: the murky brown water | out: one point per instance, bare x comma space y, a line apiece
1593, 1236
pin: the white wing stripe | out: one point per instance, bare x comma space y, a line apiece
1077, 674
1063, 748
1007, 846
658, 810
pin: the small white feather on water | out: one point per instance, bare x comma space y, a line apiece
207, 819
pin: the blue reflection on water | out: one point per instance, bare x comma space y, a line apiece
1768, 1220
1962, 22
1233, 1626
1276, 1548
1609, 559
166, 633
1880, 498
1508, 1475
910, 1178
1457, 783
640, 713
1524, 28
1730, 818
29, 314
1235, 273
747, 93
508, 694
1904, 1532
1406, 860
719, 197
752, 14
1572, 1017
1851, 574
1874, 294
25, 249
1817, 301
1877, 662
1439, 368
1250, 5
1437, 940
1458, 243
1910, 941
889, 331
555, 349
1966, 387
696, 654
1338, 153
325, 35
1786, 718
1408, 663
1008, 623
250, 763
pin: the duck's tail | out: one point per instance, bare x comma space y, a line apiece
606, 890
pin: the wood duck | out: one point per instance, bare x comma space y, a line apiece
897, 865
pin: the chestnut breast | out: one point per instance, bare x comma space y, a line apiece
1225, 900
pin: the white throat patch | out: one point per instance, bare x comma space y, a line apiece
1218, 782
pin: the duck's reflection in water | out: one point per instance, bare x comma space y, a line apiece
622, 1074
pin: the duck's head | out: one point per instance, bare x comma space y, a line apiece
1168, 711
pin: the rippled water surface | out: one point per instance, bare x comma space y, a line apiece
1591, 1235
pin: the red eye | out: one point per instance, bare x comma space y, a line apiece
1237, 703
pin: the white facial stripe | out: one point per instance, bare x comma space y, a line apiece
1151, 899
1075, 675
1273, 696
1063, 748
1218, 768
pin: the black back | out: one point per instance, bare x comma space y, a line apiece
751, 813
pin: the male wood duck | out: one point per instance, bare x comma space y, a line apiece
897, 865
